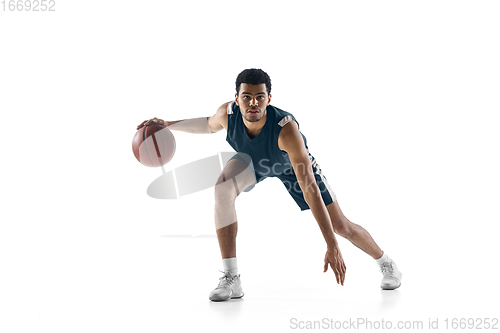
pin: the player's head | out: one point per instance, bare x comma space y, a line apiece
253, 76
253, 87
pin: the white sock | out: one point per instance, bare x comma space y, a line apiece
382, 259
229, 264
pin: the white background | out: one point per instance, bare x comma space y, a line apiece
399, 103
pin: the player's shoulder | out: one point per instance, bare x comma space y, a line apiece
282, 117
288, 136
225, 109
220, 119
289, 128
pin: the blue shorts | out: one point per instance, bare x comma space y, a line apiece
289, 180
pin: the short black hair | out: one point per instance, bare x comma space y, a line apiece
253, 76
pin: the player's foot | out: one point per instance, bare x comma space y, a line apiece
229, 287
392, 275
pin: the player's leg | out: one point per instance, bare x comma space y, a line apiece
356, 234
234, 179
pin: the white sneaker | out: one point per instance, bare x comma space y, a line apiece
229, 287
392, 276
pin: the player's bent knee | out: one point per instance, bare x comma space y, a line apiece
225, 192
343, 229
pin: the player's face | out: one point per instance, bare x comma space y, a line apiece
253, 100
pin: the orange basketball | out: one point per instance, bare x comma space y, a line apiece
153, 145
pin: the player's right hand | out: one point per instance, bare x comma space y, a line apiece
153, 120
334, 258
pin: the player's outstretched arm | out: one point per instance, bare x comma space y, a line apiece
201, 125
291, 141
193, 125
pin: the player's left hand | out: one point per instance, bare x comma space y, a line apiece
334, 258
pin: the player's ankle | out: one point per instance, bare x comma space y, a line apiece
384, 258
230, 265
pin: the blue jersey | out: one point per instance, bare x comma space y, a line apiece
267, 158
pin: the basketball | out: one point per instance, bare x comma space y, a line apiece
153, 145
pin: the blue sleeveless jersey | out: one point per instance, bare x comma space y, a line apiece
268, 160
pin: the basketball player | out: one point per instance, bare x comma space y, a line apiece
271, 138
